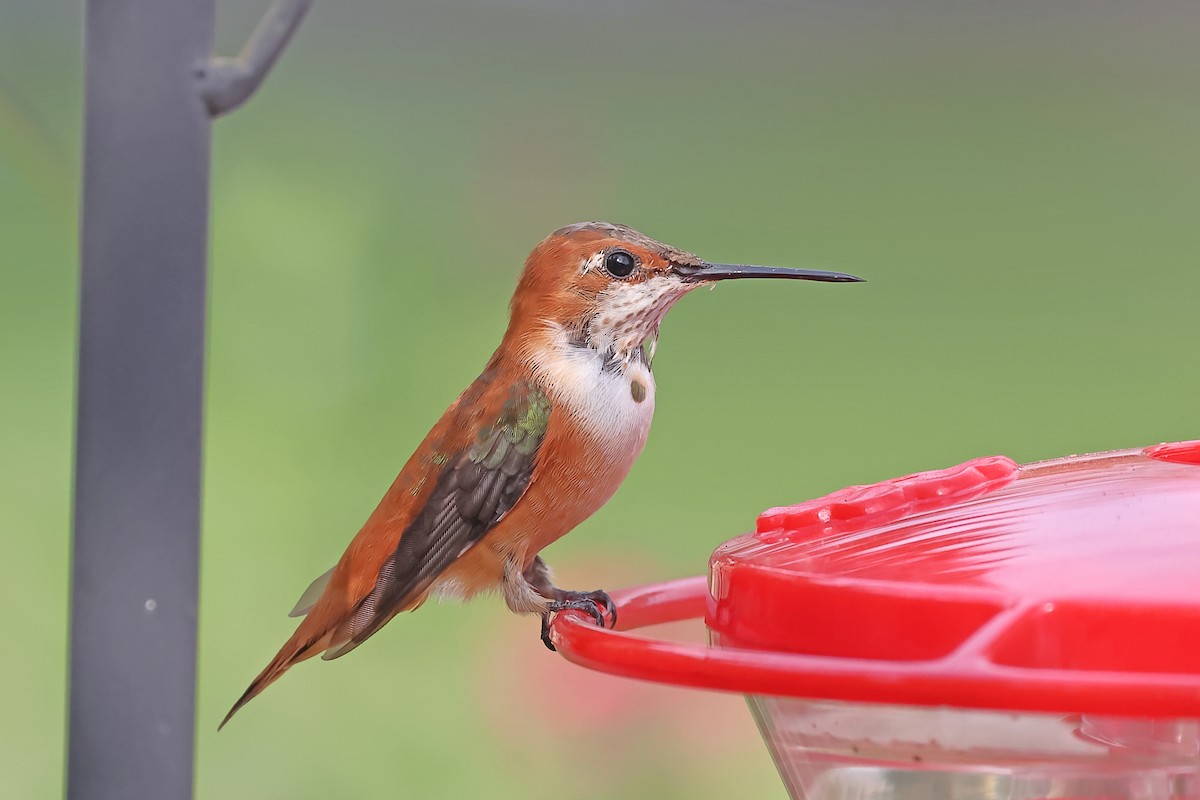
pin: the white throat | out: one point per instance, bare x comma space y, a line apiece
610, 399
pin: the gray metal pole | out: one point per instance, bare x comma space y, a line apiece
149, 99
144, 230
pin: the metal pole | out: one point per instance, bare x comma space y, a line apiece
144, 228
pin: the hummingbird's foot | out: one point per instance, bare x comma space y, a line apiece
600, 598
596, 603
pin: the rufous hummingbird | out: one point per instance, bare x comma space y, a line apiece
540, 440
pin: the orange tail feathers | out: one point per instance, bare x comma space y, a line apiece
296, 649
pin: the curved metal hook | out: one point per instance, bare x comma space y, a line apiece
226, 83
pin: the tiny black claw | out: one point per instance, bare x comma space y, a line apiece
589, 602
610, 607
579, 604
594, 598
596, 613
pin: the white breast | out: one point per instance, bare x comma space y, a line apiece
603, 402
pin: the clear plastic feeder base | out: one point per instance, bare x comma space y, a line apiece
851, 751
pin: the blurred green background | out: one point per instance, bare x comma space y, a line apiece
1019, 181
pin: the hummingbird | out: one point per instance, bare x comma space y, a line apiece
536, 445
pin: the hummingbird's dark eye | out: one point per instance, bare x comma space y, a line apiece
620, 264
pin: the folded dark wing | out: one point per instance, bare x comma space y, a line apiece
474, 491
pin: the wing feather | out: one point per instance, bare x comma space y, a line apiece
468, 472
474, 491
311, 594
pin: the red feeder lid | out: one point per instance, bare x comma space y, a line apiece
1070, 585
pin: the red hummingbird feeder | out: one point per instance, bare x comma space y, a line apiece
985, 631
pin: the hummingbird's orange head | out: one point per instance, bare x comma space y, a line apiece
607, 287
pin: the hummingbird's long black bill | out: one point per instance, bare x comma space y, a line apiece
725, 272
